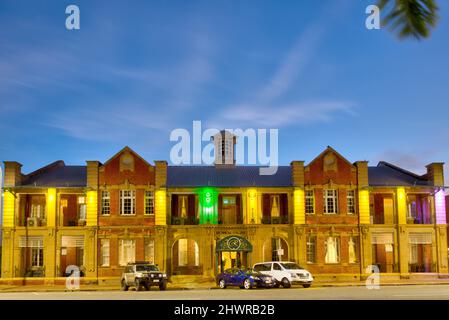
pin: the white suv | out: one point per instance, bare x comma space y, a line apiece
285, 273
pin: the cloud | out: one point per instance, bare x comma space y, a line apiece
295, 114
293, 63
118, 122
267, 106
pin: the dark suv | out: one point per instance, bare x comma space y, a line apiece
143, 274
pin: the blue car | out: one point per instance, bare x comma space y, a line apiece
244, 278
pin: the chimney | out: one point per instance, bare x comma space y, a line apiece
161, 173
362, 173
224, 146
297, 173
13, 173
92, 174
435, 173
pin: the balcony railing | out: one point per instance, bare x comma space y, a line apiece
275, 220
184, 221
239, 220
421, 267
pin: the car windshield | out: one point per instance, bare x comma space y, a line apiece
291, 266
146, 267
248, 271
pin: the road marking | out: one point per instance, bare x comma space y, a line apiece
421, 295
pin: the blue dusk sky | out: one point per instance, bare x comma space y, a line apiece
136, 70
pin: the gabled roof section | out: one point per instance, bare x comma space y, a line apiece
329, 149
239, 176
126, 148
387, 174
56, 174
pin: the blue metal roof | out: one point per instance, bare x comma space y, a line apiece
386, 174
63, 176
238, 176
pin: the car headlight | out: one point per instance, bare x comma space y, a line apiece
293, 275
152, 275
164, 275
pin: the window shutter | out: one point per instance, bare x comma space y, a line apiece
266, 208
191, 206
174, 205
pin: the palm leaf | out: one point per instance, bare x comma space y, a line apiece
410, 18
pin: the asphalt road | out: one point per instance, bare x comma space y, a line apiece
432, 292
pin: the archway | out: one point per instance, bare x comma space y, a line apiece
275, 249
233, 251
186, 257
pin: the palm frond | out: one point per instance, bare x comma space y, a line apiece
410, 18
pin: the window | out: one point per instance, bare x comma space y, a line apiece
330, 201
182, 206
127, 252
37, 257
149, 202
276, 266
37, 211
311, 249
332, 250
274, 200
127, 202
310, 202
104, 252
353, 247
350, 201
262, 267
82, 208
105, 203
182, 252
149, 250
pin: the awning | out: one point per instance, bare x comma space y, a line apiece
420, 238
382, 238
31, 242
234, 243
72, 241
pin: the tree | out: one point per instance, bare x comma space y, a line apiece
410, 18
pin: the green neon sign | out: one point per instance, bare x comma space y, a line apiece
208, 205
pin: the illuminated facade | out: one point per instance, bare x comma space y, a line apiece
332, 216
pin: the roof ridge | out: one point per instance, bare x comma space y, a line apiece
397, 168
48, 167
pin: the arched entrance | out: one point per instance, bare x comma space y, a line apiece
233, 251
186, 257
275, 249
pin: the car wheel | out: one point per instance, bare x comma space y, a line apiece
163, 285
285, 283
307, 285
137, 285
124, 286
222, 284
247, 284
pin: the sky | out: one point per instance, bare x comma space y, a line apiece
135, 72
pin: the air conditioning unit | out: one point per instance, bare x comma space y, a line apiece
32, 222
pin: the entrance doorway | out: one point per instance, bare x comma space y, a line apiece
229, 210
233, 252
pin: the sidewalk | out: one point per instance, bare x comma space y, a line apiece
210, 285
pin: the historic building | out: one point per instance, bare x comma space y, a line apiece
335, 217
